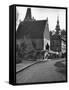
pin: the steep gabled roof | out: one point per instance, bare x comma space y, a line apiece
35, 29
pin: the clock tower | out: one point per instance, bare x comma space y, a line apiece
57, 26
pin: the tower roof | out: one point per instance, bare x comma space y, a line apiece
57, 26
28, 14
57, 20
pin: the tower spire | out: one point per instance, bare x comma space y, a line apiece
57, 26
57, 20
28, 14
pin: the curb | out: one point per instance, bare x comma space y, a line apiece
27, 67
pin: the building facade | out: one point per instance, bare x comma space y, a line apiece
34, 30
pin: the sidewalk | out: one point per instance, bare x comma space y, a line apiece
24, 65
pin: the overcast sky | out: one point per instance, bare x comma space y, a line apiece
43, 13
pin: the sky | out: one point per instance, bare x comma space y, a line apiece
43, 13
